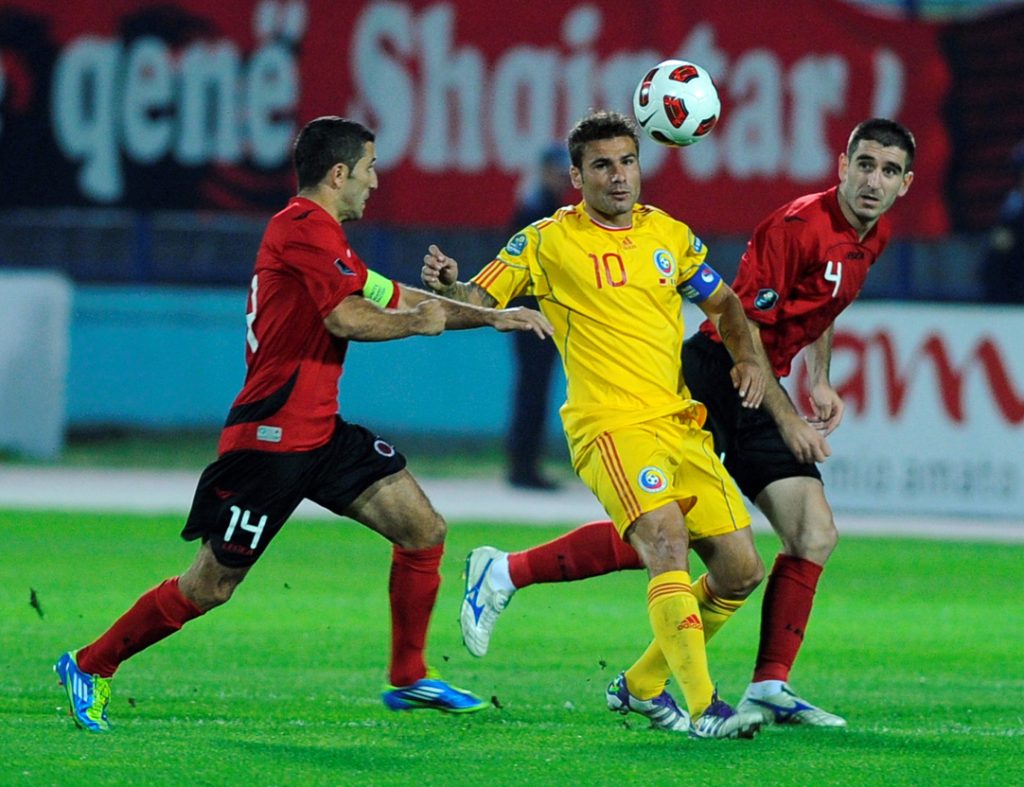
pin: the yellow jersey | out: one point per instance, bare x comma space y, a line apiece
611, 295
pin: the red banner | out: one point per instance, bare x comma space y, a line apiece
194, 104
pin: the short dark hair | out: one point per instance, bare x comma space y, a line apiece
887, 133
603, 124
327, 141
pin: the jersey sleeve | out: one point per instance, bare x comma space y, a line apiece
396, 296
697, 280
507, 276
329, 269
767, 272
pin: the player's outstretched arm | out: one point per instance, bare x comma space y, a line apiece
459, 315
360, 320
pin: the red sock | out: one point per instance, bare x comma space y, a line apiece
415, 578
788, 597
157, 614
588, 551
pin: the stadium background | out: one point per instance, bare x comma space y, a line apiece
143, 145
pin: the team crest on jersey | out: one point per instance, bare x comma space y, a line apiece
383, 448
516, 244
652, 479
766, 299
665, 263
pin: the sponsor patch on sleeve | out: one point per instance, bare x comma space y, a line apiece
766, 299
516, 244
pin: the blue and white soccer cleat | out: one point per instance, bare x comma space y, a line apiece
432, 693
661, 710
481, 601
721, 720
785, 707
88, 695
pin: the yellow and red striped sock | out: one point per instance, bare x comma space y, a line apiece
715, 611
679, 632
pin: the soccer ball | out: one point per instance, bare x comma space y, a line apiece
676, 103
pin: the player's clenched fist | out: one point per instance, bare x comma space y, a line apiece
429, 317
439, 270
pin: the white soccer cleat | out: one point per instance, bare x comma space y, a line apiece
721, 720
481, 601
786, 707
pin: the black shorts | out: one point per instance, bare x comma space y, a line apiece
754, 451
244, 498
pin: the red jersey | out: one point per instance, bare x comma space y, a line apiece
304, 268
803, 265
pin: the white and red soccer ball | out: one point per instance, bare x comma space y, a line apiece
676, 103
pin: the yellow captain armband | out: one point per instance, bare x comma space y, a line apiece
378, 289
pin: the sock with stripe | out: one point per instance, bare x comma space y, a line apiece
413, 587
786, 607
157, 614
715, 611
648, 676
588, 551
679, 632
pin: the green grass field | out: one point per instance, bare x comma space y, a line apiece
917, 643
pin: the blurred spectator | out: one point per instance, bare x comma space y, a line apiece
1004, 261
534, 358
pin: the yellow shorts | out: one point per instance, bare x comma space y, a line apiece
639, 468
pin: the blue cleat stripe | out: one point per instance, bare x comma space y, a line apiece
473, 593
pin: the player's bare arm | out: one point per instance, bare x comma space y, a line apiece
360, 320
827, 404
460, 315
806, 442
749, 377
441, 274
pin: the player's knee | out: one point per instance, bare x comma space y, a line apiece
427, 531
208, 593
750, 578
741, 579
222, 592
816, 540
825, 537
829, 538
436, 531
